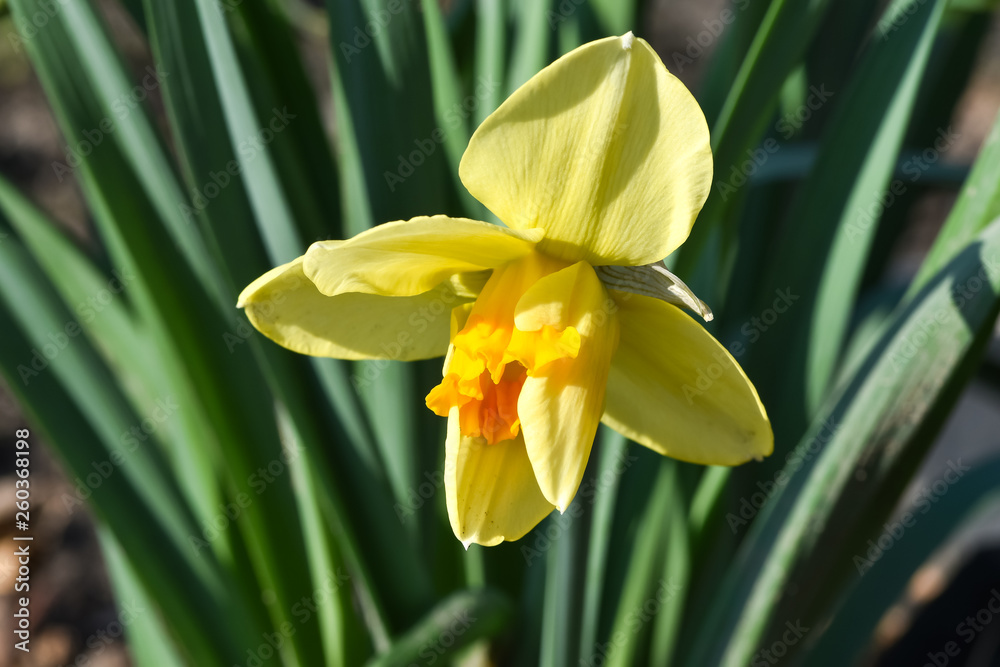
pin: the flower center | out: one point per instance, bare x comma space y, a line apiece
490, 359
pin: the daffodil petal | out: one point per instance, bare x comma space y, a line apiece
561, 403
491, 490
410, 257
678, 391
604, 148
286, 307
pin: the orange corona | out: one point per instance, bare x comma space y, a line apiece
489, 358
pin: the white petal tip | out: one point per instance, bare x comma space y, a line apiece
627, 40
758, 458
467, 544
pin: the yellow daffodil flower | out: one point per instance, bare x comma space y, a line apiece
599, 163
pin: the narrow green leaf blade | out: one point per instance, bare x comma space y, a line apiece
977, 206
874, 429
778, 47
148, 638
613, 450
973, 499
852, 175
274, 216
531, 42
139, 504
478, 614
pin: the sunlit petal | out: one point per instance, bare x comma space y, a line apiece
410, 257
491, 490
561, 402
286, 307
677, 390
604, 148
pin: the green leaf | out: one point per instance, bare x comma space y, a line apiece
389, 396
875, 429
209, 160
727, 59
974, 5
777, 49
395, 168
616, 17
122, 341
841, 199
971, 501
612, 450
644, 579
99, 64
456, 622
560, 622
977, 206
148, 638
290, 125
673, 587
448, 97
530, 52
190, 334
273, 213
338, 625
491, 36
390, 590
138, 501
200, 125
